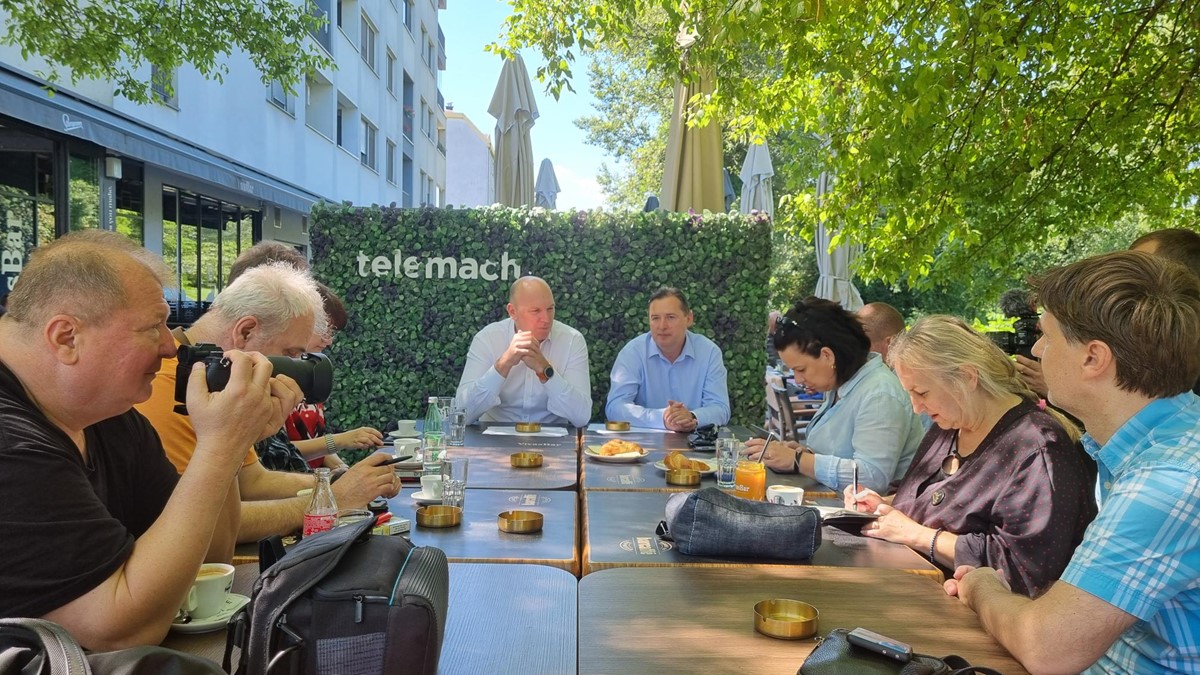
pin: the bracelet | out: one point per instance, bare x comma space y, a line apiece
796, 462
330, 446
933, 544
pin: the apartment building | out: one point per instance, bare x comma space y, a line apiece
471, 178
210, 168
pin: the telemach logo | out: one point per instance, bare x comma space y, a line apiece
438, 267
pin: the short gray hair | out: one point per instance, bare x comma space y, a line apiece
275, 294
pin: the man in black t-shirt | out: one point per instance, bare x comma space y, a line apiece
100, 534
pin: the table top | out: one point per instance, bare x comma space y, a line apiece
689, 619
491, 468
619, 532
475, 438
535, 605
479, 539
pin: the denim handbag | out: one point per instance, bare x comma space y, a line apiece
711, 523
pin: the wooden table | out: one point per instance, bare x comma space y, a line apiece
502, 618
478, 539
491, 468
619, 532
689, 619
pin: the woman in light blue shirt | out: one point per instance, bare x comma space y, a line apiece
866, 418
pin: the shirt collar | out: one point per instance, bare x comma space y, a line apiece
689, 349
512, 329
874, 362
1129, 436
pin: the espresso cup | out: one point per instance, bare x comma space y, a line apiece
406, 428
432, 486
406, 446
785, 494
207, 595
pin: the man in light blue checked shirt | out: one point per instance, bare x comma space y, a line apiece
1119, 351
670, 377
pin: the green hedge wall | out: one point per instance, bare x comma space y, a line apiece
408, 338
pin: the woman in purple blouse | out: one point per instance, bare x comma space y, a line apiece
997, 481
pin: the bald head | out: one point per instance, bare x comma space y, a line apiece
81, 274
881, 322
531, 306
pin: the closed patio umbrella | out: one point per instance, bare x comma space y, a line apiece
692, 175
545, 190
515, 112
836, 280
757, 173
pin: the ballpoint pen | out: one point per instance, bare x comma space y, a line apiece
855, 465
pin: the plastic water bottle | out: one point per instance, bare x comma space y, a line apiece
433, 418
321, 514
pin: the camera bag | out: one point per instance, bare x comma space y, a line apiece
709, 522
346, 602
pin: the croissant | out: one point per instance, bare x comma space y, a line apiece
677, 460
619, 447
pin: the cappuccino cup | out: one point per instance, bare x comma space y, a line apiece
785, 494
406, 428
432, 486
207, 595
406, 446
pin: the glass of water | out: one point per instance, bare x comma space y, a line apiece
433, 446
446, 403
454, 481
727, 460
456, 431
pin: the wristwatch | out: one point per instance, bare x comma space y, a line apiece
547, 373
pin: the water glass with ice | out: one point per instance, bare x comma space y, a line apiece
454, 481
727, 460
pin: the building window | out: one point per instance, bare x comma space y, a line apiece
340, 113
366, 42
391, 72
406, 8
390, 162
277, 94
164, 86
424, 42
369, 139
201, 238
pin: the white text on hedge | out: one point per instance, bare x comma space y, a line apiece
438, 268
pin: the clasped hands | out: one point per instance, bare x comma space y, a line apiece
677, 417
523, 348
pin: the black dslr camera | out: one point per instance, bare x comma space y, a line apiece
312, 371
1015, 305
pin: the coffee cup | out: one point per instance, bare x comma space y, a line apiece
406, 446
785, 494
432, 486
406, 428
207, 595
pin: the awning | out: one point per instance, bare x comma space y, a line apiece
27, 99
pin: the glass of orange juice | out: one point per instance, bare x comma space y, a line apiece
750, 480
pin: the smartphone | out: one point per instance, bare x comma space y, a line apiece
870, 640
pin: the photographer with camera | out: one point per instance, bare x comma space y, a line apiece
101, 534
273, 309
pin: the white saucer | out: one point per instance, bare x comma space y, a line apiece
407, 434
218, 621
424, 499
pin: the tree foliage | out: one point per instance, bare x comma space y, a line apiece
961, 134
116, 39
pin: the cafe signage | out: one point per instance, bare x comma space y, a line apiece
438, 267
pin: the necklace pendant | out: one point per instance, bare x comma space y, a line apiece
938, 497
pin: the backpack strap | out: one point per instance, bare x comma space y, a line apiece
63, 654
960, 666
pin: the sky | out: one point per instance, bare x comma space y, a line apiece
470, 79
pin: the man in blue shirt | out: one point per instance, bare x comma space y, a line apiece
1118, 350
669, 378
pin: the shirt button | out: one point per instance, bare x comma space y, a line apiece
1107, 485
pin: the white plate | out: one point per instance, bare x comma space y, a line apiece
218, 621
408, 434
424, 499
627, 458
710, 463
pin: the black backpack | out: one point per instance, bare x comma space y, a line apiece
346, 602
40, 647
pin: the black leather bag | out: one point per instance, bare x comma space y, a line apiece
703, 438
836, 656
711, 523
345, 602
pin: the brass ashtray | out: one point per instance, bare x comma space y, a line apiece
528, 427
439, 515
785, 619
683, 477
520, 522
526, 460
616, 426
